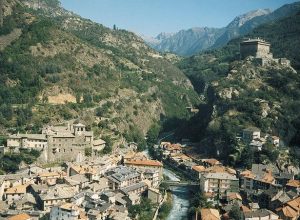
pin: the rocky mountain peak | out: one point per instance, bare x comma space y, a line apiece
242, 19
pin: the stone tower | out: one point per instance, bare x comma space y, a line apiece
1, 12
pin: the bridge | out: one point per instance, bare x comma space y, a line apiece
180, 183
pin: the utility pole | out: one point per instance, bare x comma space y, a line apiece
1, 13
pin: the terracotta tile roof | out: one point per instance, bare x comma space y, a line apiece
291, 209
17, 190
174, 147
268, 178
220, 169
211, 161
198, 168
83, 169
144, 163
295, 203
294, 183
22, 216
289, 212
233, 196
248, 174
210, 214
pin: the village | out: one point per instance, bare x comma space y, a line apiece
105, 187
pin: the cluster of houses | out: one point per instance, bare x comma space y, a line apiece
264, 192
56, 143
255, 139
95, 189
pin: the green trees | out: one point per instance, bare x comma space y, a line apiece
152, 134
10, 162
143, 210
108, 146
235, 213
135, 135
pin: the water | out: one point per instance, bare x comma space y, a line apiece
180, 203
180, 198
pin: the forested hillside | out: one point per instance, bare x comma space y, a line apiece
65, 67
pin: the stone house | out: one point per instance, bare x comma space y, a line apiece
15, 193
57, 143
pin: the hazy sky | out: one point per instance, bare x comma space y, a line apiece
150, 17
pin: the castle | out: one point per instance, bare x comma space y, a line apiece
57, 143
260, 50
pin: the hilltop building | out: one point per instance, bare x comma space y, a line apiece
260, 50
57, 143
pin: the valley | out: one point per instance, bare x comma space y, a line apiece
100, 123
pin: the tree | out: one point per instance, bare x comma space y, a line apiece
88, 151
235, 213
1, 13
152, 134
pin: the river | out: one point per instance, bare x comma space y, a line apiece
180, 196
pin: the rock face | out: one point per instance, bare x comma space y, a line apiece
194, 40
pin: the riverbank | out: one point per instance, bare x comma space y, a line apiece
165, 208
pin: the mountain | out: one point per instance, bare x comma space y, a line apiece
56, 66
192, 41
240, 25
240, 94
186, 42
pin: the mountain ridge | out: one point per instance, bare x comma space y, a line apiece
185, 43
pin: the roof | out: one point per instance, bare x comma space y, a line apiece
79, 125
251, 129
254, 40
198, 168
83, 169
211, 161
52, 174
98, 142
220, 169
233, 195
210, 214
268, 178
222, 176
294, 183
22, 216
17, 190
128, 189
29, 136
154, 163
258, 213
247, 174
69, 206
122, 173
58, 192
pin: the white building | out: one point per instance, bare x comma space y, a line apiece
67, 211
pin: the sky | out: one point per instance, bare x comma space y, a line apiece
151, 17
